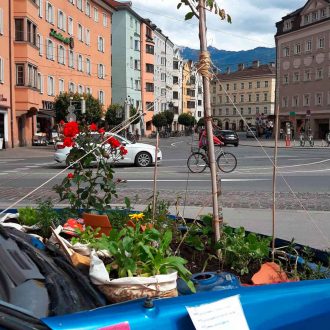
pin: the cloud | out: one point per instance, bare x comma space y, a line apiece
253, 22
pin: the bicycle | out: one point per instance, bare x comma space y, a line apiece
198, 161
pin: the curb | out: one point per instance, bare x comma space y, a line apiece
283, 147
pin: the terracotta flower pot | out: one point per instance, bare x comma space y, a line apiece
98, 221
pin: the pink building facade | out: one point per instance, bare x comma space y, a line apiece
303, 68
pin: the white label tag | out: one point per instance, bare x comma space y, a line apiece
224, 314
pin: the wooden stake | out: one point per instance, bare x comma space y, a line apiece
155, 180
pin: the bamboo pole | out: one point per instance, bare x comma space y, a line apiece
208, 123
154, 200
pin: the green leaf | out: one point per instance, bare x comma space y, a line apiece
189, 16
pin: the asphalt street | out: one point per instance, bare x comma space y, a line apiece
302, 183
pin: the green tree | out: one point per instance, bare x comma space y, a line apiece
93, 107
201, 122
186, 119
132, 112
169, 118
159, 120
115, 114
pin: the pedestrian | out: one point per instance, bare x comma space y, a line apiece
281, 133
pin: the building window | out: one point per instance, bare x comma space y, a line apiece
88, 37
308, 46
295, 101
307, 75
61, 54
235, 86
175, 95
137, 45
131, 42
242, 85
297, 49
306, 100
150, 69
61, 20
284, 101
285, 79
257, 110
149, 49
320, 42
323, 13
286, 51
79, 4
88, 9
2, 71
96, 15
32, 76
105, 20
137, 64
266, 84
100, 44
131, 62
319, 99
149, 87
50, 86
72, 87
60, 86
242, 98
40, 44
88, 90
219, 99
227, 111
250, 98
257, 97
250, 85
31, 32
50, 50
40, 83
265, 96
319, 73
49, 13
100, 71
80, 63
80, 32
88, 66
315, 16
71, 59
265, 110
80, 89
70, 26
249, 111
296, 76
163, 77
19, 29
138, 85
258, 84
131, 21
101, 97
227, 87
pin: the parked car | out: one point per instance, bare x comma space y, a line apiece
139, 154
227, 137
251, 132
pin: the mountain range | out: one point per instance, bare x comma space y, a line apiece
224, 58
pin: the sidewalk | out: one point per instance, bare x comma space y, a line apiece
27, 152
270, 143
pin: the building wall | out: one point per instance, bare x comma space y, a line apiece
177, 87
304, 69
44, 68
238, 101
7, 126
147, 78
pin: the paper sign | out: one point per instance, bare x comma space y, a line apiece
119, 326
225, 314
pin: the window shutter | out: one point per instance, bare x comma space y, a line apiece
47, 16
1, 21
64, 22
41, 46
59, 53
41, 6
54, 51
41, 84
58, 19
1, 70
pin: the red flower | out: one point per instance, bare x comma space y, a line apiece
68, 142
70, 176
62, 122
123, 150
93, 127
71, 129
113, 142
101, 130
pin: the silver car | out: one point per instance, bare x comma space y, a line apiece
139, 154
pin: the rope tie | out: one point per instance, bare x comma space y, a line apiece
204, 64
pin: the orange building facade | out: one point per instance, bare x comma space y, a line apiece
147, 73
58, 46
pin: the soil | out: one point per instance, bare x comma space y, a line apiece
199, 261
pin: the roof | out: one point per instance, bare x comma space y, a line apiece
261, 70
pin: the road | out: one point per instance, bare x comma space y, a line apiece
303, 177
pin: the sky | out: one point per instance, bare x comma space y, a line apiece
253, 22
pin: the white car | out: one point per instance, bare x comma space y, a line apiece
139, 154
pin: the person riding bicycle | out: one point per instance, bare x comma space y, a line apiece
202, 143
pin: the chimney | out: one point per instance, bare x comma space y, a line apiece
240, 66
255, 64
228, 70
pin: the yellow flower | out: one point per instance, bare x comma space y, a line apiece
136, 216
